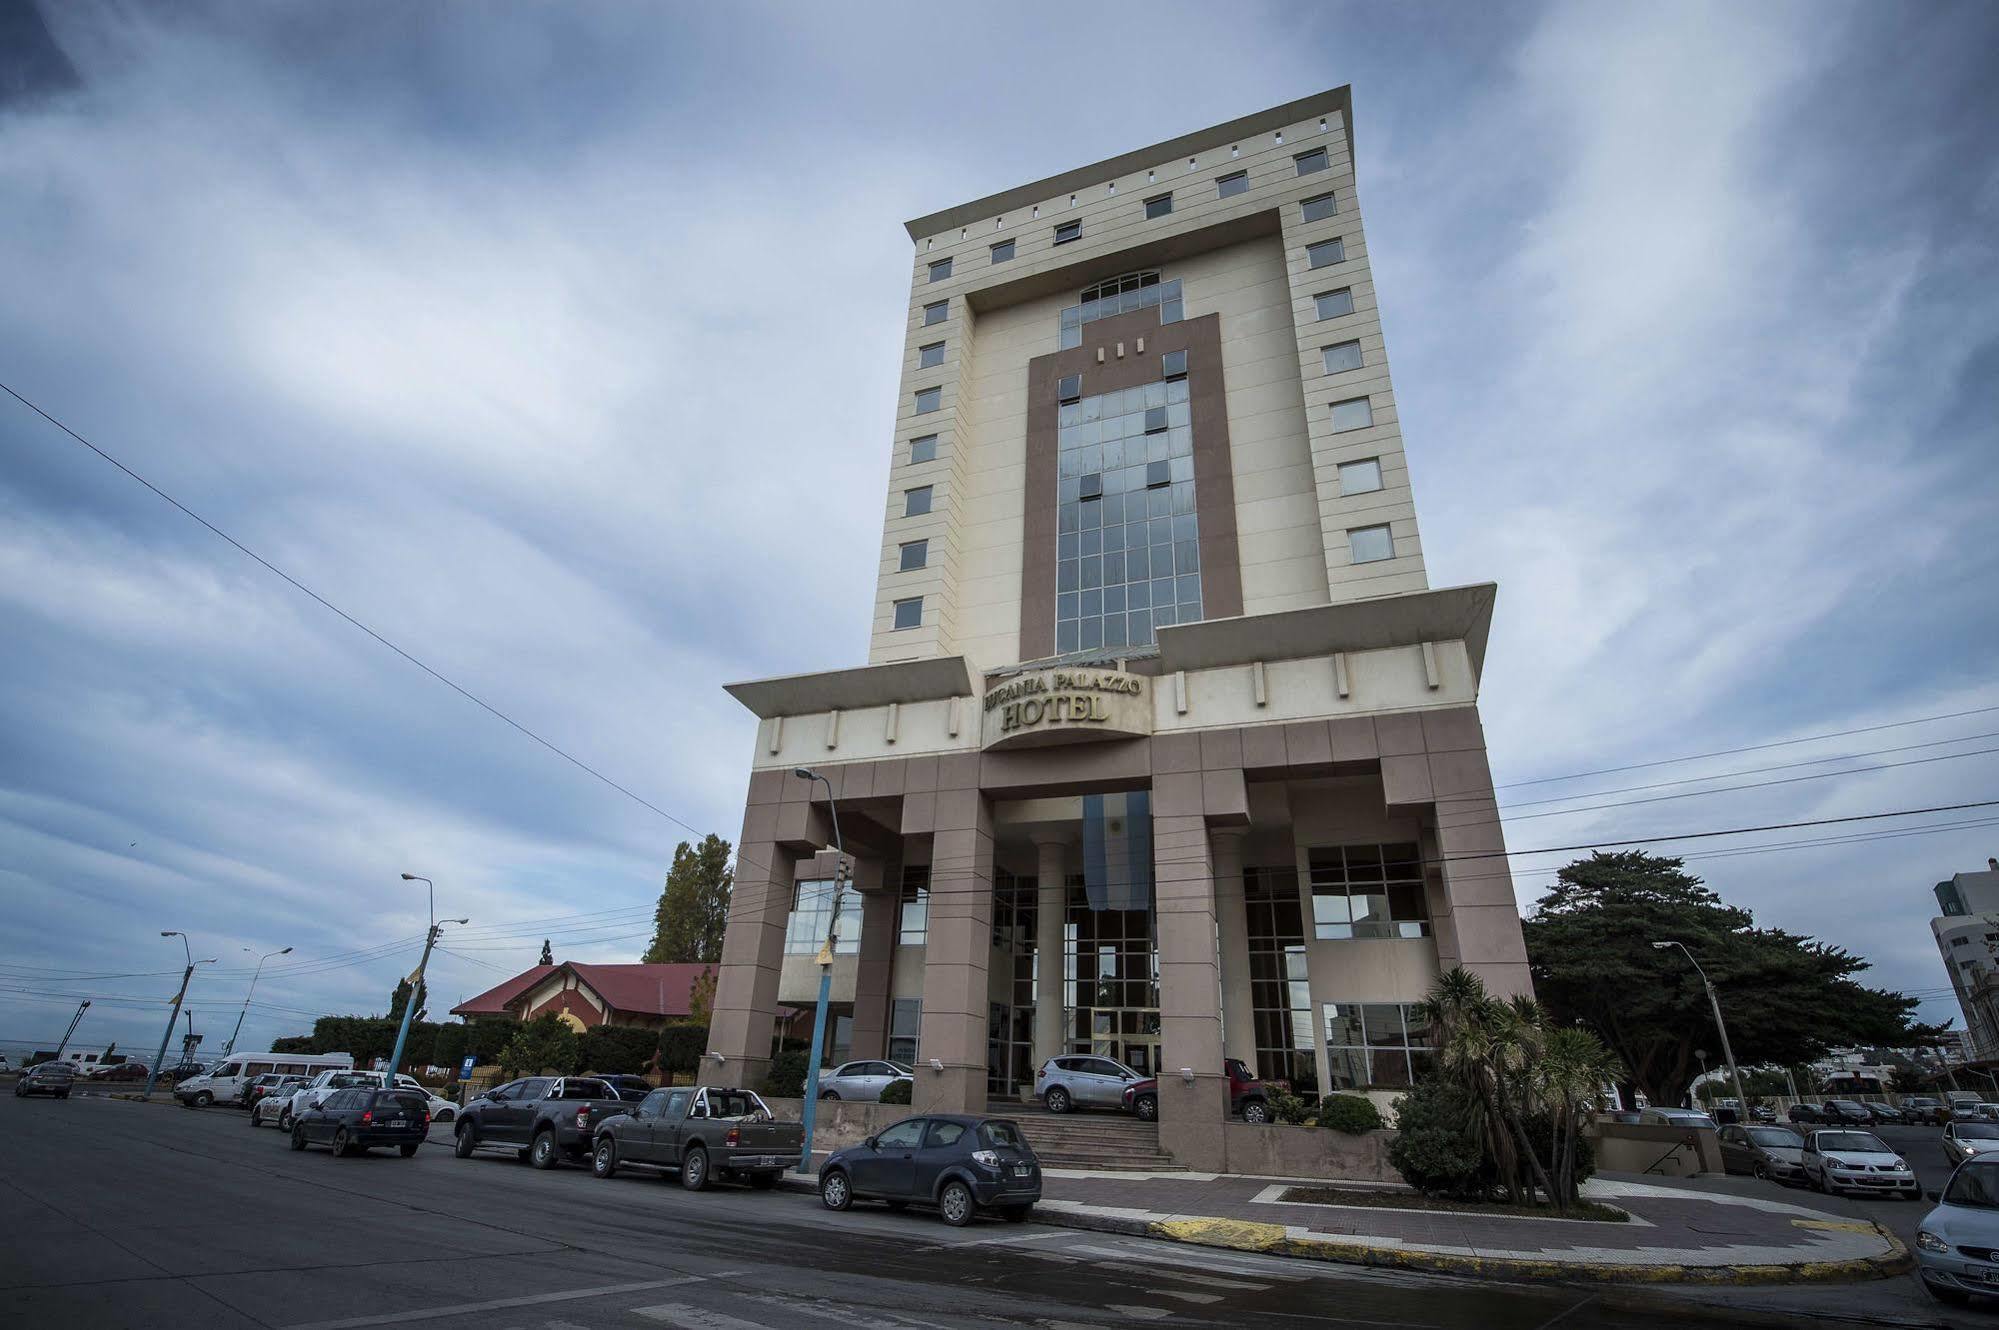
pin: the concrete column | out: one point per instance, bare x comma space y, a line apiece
1484, 922
956, 956
745, 1011
1051, 909
1191, 1111
873, 975
1232, 923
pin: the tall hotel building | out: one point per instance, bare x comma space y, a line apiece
1165, 750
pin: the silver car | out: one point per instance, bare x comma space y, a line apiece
1764, 1152
864, 1081
1963, 1139
1957, 1244
1857, 1161
1082, 1080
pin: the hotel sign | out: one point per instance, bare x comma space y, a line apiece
1066, 706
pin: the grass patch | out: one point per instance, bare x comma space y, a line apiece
1407, 1200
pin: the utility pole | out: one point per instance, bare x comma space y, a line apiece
230, 1047
74, 1021
1741, 1099
173, 1017
825, 971
416, 979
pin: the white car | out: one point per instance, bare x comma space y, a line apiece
324, 1084
1963, 1138
1837, 1160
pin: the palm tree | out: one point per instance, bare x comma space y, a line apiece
1575, 1067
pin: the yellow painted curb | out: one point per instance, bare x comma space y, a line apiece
1271, 1239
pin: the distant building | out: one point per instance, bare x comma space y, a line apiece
1967, 934
586, 995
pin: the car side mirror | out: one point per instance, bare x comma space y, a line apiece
870, 1143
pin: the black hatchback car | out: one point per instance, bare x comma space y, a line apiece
959, 1164
359, 1118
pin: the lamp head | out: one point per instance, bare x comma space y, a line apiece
286, 952
465, 920
171, 932
1661, 946
409, 877
805, 773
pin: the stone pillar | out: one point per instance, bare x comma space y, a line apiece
1051, 910
874, 972
742, 1022
957, 952
1232, 923
1191, 1112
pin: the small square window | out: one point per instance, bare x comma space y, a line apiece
1362, 477
928, 399
1003, 251
1070, 389
1158, 475
940, 270
1067, 231
909, 613
936, 312
1159, 205
1230, 185
1326, 253
1155, 420
1334, 304
923, 448
1319, 207
1354, 413
1308, 162
1173, 365
916, 502
1091, 486
915, 554
931, 356
1341, 357
1370, 544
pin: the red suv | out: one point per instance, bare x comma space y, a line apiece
1249, 1098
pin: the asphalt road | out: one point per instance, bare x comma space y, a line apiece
123, 1214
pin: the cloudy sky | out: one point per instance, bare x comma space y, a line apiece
472, 319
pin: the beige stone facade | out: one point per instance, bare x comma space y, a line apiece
1166, 751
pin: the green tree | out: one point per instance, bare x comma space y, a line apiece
694, 906
701, 997
1786, 997
547, 953
484, 1039
401, 997
448, 1049
614, 1050
543, 1046
681, 1044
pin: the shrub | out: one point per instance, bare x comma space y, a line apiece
615, 1050
786, 1078
484, 1039
1350, 1113
681, 1044
544, 1045
1433, 1150
1290, 1108
449, 1047
898, 1092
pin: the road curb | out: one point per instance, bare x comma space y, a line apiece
1274, 1240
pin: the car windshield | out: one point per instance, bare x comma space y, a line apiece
1002, 1134
1863, 1141
1776, 1138
1978, 1131
1976, 1184
401, 1101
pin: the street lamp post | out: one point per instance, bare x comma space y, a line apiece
416, 979
1721, 1027
825, 971
74, 1021
173, 1017
230, 1047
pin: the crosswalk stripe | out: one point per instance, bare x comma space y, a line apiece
685, 1317
829, 1312
1140, 1313
1199, 1299
499, 1304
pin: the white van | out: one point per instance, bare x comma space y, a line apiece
227, 1080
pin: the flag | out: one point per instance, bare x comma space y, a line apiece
1117, 850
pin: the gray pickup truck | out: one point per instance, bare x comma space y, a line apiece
702, 1132
547, 1118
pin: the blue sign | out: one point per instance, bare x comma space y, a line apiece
465, 1068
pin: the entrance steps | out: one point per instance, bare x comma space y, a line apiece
1089, 1140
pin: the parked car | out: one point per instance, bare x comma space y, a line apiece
1965, 1138
1923, 1108
359, 1118
1771, 1153
273, 1107
1885, 1115
959, 1164
118, 1073
1982, 1111
1762, 1113
1805, 1114
1845, 1113
268, 1084
1960, 1102
1675, 1117
864, 1081
1837, 1160
226, 1080
547, 1118
1248, 1098
701, 1132
322, 1085
1082, 1080
1958, 1241
50, 1078
629, 1088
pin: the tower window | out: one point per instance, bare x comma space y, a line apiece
1327, 252
1308, 162
1159, 205
931, 356
1230, 185
909, 613
940, 270
1067, 231
1003, 251
1319, 207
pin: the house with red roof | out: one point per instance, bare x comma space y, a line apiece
586, 995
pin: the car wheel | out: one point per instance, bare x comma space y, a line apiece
284, 1119
604, 1163
1762, 1172
834, 1191
1056, 1100
204, 1099
763, 1181
465, 1141
956, 1204
253, 1119
446, 1115
542, 1154
342, 1147
694, 1170
829, 1094
1145, 1108
408, 1149
1017, 1214
1256, 1111
298, 1138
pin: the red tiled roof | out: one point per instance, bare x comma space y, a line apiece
493, 1002
643, 990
